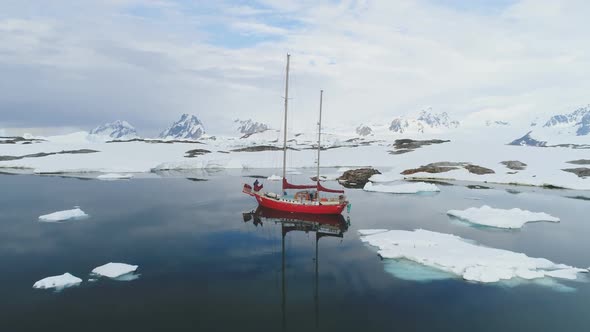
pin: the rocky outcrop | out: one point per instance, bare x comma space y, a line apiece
446, 166
514, 165
195, 152
581, 172
45, 154
408, 145
19, 140
579, 162
258, 148
357, 178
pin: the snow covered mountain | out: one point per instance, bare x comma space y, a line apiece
426, 121
497, 123
571, 128
249, 127
578, 120
364, 130
188, 127
115, 130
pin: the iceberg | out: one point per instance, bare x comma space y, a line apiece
58, 216
114, 270
488, 216
457, 256
274, 178
114, 176
406, 188
58, 282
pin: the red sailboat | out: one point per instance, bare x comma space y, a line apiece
309, 198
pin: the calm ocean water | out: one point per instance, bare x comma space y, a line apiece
205, 266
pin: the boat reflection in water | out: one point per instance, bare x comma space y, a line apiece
321, 225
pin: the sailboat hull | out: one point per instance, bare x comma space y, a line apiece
296, 207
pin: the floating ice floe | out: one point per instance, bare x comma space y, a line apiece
116, 271
76, 213
58, 282
274, 178
512, 218
114, 176
405, 188
452, 254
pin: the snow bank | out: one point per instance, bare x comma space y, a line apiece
406, 188
114, 176
274, 178
76, 213
58, 282
487, 216
452, 254
114, 270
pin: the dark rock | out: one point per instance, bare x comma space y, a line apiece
154, 141
357, 178
580, 162
195, 152
18, 140
477, 186
514, 165
408, 145
258, 148
581, 172
475, 169
45, 154
446, 166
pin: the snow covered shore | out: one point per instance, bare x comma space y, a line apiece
544, 165
463, 258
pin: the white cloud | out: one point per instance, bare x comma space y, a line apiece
375, 60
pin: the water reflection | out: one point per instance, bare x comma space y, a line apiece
321, 225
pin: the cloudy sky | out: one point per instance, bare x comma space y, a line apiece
68, 65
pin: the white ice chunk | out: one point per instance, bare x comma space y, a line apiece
487, 216
405, 188
452, 254
114, 270
63, 215
58, 282
114, 176
275, 178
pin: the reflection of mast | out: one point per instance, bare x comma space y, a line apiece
316, 297
322, 225
284, 294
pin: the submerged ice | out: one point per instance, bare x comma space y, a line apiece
457, 256
501, 218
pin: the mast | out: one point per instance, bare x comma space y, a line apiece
285, 128
319, 143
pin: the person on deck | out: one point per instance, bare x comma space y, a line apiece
257, 186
